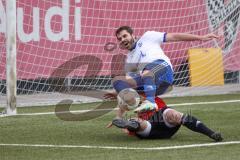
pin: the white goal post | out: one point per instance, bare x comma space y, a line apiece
11, 78
66, 48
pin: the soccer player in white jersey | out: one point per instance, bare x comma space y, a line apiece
147, 68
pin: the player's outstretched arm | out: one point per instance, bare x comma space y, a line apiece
174, 37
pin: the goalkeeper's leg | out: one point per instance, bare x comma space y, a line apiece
195, 125
172, 118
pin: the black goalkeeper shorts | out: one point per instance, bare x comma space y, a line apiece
159, 129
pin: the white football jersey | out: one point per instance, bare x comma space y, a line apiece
147, 50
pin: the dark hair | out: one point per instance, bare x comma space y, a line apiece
127, 28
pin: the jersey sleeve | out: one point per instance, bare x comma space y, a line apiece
153, 36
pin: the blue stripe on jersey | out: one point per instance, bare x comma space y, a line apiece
165, 37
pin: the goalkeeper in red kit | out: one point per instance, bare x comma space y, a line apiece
162, 123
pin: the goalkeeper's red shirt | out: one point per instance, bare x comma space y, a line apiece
146, 115
160, 105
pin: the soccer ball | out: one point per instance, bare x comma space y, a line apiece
128, 98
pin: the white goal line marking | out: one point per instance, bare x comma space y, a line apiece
96, 110
198, 103
124, 148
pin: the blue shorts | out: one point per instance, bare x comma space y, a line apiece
163, 75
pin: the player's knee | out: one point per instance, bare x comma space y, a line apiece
172, 117
120, 83
118, 78
125, 79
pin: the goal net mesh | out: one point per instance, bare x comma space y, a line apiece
68, 46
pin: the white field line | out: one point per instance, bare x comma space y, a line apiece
96, 110
124, 148
198, 103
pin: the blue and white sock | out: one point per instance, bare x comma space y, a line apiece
149, 88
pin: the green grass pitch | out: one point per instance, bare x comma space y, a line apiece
86, 136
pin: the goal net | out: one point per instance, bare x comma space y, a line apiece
66, 47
